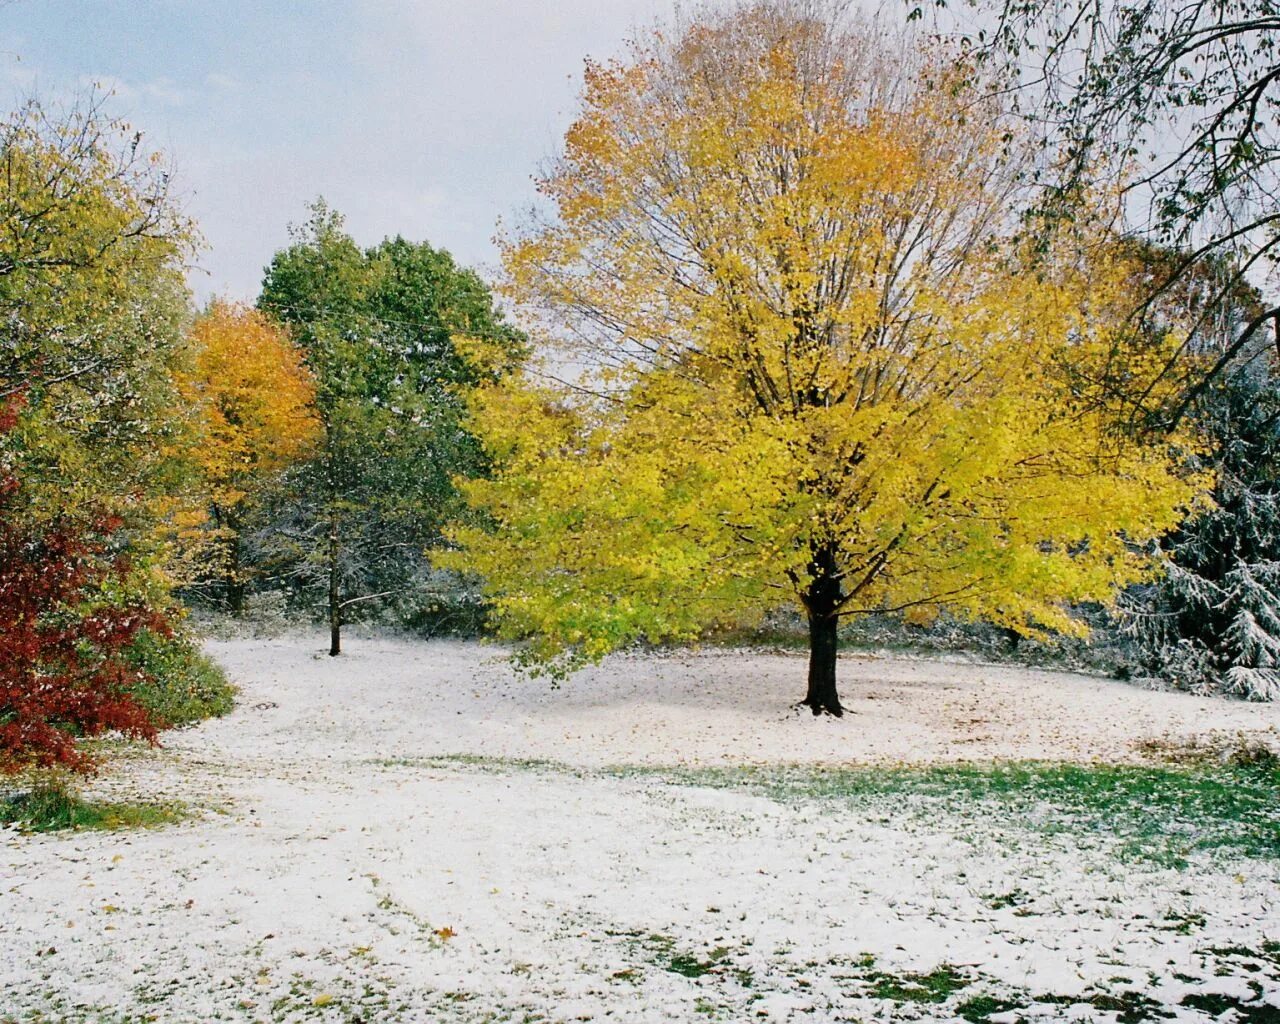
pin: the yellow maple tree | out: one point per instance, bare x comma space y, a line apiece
254, 409
823, 364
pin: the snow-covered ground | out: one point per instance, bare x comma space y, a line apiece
347, 865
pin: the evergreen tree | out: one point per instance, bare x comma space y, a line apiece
1212, 621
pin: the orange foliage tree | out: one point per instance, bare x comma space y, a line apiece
254, 402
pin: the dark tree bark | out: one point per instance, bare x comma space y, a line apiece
335, 605
235, 581
231, 586
822, 602
335, 608
822, 696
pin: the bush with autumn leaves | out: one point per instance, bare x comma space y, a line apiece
65, 670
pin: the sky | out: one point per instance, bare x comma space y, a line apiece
425, 118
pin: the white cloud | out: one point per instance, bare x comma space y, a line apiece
221, 82
161, 91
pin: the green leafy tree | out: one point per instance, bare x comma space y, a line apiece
378, 328
92, 304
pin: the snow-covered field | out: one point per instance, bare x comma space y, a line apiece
381, 837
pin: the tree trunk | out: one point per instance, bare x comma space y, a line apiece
235, 583
233, 592
822, 696
335, 608
822, 602
331, 468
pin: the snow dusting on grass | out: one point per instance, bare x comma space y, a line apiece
411, 833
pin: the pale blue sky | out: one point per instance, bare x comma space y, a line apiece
421, 118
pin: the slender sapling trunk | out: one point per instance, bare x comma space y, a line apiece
335, 605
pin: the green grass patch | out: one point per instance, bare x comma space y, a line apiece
1129, 1007
662, 951
694, 966
1242, 1011
935, 987
55, 810
1163, 814
1267, 953
980, 1009
480, 762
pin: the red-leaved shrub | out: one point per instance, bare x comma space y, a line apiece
63, 670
